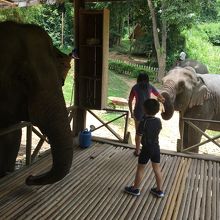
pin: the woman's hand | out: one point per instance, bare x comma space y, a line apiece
161, 98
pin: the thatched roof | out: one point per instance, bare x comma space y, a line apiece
26, 3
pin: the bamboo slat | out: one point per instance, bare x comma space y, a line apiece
203, 204
151, 212
200, 191
94, 189
208, 193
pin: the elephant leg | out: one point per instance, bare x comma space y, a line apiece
192, 136
9, 147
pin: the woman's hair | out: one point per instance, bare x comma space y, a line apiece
142, 77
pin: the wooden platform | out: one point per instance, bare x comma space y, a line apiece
94, 189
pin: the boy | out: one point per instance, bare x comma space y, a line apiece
147, 135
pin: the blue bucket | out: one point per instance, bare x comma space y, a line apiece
85, 138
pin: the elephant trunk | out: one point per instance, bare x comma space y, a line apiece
168, 107
52, 119
169, 93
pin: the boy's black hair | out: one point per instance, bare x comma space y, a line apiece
151, 106
142, 77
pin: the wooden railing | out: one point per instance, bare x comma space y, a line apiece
31, 129
124, 114
190, 121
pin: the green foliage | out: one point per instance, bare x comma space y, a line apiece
199, 48
130, 69
210, 10
116, 86
213, 32
46, 16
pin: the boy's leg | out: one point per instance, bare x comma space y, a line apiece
139, 175
158, 175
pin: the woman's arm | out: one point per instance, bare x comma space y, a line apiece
157, 94
130, 100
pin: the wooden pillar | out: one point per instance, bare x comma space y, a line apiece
79, 119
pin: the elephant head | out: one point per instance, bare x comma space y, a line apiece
182, 89
32, 75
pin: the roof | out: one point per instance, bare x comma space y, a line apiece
23, 3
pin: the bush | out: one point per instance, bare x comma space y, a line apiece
131, 70
199, 48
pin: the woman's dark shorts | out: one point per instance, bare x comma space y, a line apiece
150, 152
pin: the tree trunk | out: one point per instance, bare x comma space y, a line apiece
160, 47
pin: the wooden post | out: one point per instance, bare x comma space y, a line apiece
28, 144
79, 120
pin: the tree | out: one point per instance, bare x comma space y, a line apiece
165, 14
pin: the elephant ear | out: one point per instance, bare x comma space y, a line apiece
200, 93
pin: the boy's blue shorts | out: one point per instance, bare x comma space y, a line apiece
150, 152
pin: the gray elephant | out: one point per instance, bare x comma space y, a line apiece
32, 73
194, 96
199, 67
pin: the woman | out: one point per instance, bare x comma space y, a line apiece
141, 91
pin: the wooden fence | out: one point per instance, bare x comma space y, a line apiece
190, 121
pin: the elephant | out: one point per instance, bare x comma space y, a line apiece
199, 67
32, 72
194, 96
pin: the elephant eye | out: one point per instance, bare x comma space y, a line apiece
181, 84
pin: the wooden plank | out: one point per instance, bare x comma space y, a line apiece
68, 188
182, 188
214, 191
163, 151
194, 192
39, 190
218, 191
93, 189
99, 184
190, 191
153, 206
173, 202
185, 194
140, 204
203, 204
200, 190
170, 196
209, 193
113, 186
115, 197
170, 179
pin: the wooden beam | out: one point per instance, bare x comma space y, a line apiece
206, 157
79, 120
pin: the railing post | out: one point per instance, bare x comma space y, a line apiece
126, 126
181, 128
28, 144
